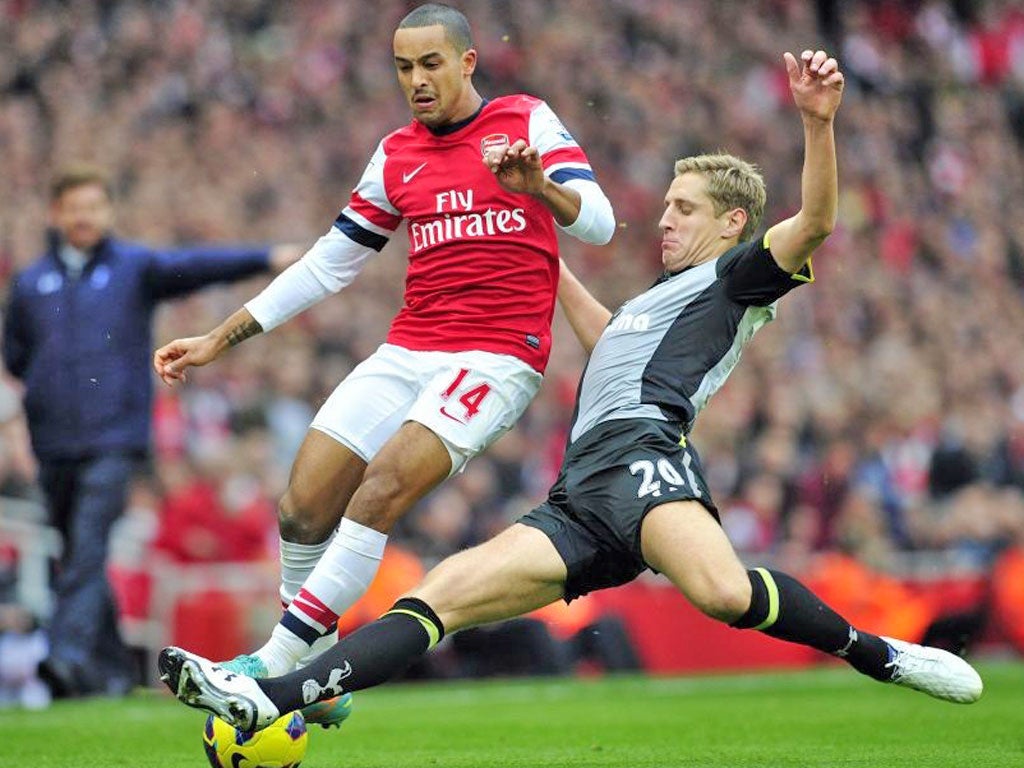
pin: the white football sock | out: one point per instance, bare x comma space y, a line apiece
281, 651
341, 577
297, 562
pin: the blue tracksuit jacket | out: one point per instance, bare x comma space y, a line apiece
83, 346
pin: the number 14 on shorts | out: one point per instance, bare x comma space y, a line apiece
649, 486
469, 397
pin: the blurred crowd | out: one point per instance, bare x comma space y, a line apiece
882, 413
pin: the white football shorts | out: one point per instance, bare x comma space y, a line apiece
468, 399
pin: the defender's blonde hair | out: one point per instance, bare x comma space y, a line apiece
731, 183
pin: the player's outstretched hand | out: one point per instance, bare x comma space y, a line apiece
171, 360
816, 83
518, 168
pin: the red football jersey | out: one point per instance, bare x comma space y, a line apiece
483, 262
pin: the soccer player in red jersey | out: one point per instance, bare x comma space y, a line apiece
631, 494
481, 184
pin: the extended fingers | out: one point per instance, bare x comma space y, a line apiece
514, 153
168, 373
160, 358
828, 73
828, 66
836, 78
497, 158
519, 154
171, 378
819, 63
170, 361
493, 160
792, 67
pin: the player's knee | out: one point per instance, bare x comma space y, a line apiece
725, 599
300, 523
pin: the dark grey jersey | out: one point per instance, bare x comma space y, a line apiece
667, 351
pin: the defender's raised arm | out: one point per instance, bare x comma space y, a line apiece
817, 87
587, 316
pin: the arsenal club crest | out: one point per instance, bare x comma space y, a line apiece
495, 142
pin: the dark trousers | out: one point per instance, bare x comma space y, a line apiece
85, 497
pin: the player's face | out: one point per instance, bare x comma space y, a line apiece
691, 232
433, 76
83, 215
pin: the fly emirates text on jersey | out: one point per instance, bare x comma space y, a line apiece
456, 221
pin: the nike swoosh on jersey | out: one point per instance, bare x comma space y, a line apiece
407, 177
453, 418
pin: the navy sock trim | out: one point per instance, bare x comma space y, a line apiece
299, 628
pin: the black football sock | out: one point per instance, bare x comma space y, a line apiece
368, 657
784, 608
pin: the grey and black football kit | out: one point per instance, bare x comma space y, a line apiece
662, 355
660, 359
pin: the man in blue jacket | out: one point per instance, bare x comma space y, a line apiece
78, 333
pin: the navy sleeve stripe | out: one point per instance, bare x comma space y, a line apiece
358, 234
563, 175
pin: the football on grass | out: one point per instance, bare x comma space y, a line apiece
282, 744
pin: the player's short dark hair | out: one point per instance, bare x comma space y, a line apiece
731, 183
456, 25
80, 175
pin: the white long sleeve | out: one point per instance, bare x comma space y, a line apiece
361, 229
566, 163
596, 222
332, 263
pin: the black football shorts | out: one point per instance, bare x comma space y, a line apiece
610, 479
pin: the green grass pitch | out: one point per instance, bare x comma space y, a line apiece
826, 717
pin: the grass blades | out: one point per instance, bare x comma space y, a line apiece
826, 717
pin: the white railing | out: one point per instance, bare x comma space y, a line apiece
36, 546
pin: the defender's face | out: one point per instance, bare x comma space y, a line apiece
433, 76
691, 232
83, 215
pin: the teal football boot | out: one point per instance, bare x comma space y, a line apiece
330, 713
246, 664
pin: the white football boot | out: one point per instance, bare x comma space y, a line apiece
234, 698
933, 671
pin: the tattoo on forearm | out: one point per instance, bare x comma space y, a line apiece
244, 331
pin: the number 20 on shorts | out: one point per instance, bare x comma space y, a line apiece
470, 398
669, 475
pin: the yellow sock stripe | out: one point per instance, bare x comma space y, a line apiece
773, 599
432, 631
